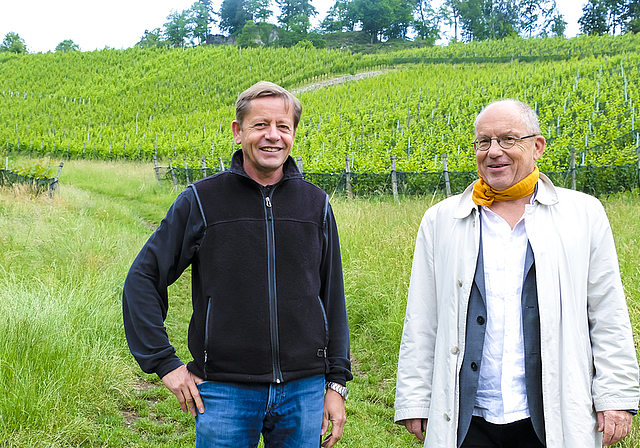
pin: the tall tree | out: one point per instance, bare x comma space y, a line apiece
594, 18
488, 19
558, 25
260, 10
66, 46
176, 30
339, 17
400, 20
295, 15
450, 11
211, 13
373, 15
233, 16
13, 43
426, 21
198, 22
153, 38
632, 17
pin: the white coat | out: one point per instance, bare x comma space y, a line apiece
588, 356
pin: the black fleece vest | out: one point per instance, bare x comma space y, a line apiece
256, 281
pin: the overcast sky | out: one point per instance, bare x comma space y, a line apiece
93, 25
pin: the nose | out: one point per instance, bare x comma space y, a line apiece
494, 147
272, 132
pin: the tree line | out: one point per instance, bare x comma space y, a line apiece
248, 23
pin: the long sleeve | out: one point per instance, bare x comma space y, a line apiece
332, 295
417, 349
164, 257
615, 382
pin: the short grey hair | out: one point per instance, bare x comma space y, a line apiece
264, 89
527, 114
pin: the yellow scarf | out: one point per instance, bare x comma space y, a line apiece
483, 194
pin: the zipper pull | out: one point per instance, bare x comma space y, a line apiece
268, 201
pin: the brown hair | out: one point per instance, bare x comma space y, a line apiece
265, 89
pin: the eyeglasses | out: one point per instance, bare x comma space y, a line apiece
505, 141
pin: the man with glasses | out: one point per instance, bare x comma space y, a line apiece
517, 332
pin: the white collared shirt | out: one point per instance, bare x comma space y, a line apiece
502, 392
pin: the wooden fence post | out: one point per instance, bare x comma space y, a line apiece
204, 168
446, 174
348, 178
221, 164
173, 174
155, 162
394, 179
186, 171
54, 182
573, 168
299, 160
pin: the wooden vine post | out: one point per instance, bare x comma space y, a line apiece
54, 182
299, 163
155, 162
221, 164
573, 168
446, 174
394, 179
348, 178
173, 174
186, 171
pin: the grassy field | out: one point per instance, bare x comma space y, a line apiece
66, 374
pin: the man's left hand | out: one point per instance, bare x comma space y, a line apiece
333, 412
615, 425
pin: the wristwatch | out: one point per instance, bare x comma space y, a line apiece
342, 390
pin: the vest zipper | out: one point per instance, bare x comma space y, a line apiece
273, 297
206, 337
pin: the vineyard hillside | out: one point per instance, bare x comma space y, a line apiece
174, 103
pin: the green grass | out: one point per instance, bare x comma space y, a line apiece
65, 371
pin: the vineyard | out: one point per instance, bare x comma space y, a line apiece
178, 104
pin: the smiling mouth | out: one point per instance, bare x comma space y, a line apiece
270, 149
497, 166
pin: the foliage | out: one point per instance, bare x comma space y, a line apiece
152, 38
176, 31
594, 18
13, 43
33, 168
233, 15
295, 15
137, 103
67, 45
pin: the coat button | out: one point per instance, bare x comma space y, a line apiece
455, 350
460, 283
480, 320
474, 366
446, 417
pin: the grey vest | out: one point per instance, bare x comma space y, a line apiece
474, 341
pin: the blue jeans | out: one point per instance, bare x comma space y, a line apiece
288, 415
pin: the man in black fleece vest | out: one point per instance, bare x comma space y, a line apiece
269, 327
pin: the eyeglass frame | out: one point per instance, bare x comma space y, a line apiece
491, 139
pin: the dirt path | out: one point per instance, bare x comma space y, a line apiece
339, 80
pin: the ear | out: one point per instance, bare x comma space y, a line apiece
540, 143
237, 132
